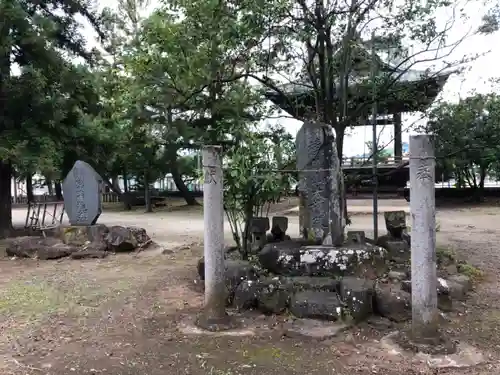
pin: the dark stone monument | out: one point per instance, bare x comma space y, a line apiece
82, 194
321, 213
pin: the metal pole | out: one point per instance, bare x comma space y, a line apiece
423, 241
374, 140
213, 217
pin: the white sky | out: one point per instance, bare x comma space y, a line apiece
474, 79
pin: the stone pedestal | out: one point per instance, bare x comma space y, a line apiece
320, 184
79, 235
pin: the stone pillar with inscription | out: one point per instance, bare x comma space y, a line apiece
423, 242
82, 194
321, 212
214, 316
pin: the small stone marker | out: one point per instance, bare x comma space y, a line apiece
82, 194
281, 222
259, 226
395, 222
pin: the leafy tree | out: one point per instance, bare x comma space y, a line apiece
36, 36
321, 51
252, 182
185, 65
382, 154
491, 20
467, 136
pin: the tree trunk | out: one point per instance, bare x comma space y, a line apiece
124, 198
15, 189
58, 189
482, 178
29, 188
116, 184
147, 194
181, 186
125, 182
5, 199
50, 187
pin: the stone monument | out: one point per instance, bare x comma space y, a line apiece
321, 212
82, 194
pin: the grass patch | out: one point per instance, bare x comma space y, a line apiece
29, 299
470, 271
445, 255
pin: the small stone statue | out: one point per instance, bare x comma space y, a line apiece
258, 227
278, 229
356, 237
396, 241
395, 222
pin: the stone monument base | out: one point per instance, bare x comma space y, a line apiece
99, 236
462, 356
79, 235
233, 326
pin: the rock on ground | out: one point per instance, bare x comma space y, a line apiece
392, 302
357, 294
273, 296
125, 239
301, 283
236, 271
455, 287
317, 305
39, 248
78, 242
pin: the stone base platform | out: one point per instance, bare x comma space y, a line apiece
78, 242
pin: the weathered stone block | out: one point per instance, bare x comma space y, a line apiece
317, 305
392, 302
39, 248
287, 258
463, 280
273, 295
236, 271
121, 239
357, 294
80, 235
397, 275
302, 283
270, 257
246, 295
447, 291
398, 250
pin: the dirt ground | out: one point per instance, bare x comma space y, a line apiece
118, 316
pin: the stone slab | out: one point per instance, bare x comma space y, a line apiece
465, 356
315, 329
82, 194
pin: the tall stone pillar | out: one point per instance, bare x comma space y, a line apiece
398, 137
320, 184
